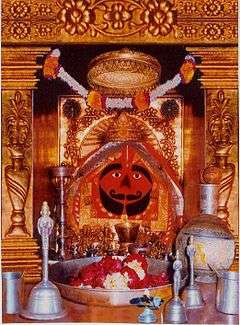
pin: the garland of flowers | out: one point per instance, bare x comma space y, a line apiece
142, 100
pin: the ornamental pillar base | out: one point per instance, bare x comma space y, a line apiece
22, 255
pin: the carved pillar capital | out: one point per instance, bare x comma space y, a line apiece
218, 66
19, 66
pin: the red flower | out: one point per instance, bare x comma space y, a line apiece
111, 264
139, 259
133, 269
89, 272
133, 279
99, 280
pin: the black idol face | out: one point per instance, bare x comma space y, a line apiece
125, 186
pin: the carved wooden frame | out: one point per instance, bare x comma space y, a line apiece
122, 21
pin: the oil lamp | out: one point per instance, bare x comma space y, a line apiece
61, 177
127, 232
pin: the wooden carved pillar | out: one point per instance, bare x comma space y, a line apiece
219, 79
19, 249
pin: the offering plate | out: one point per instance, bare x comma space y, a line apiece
61, 271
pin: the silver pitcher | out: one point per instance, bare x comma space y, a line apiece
227, 298
12, 292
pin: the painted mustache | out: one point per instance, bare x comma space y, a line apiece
121, 196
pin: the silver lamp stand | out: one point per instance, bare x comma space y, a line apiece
191, 295
175, 312
44, 302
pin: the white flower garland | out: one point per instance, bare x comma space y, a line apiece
119, 103
63, 75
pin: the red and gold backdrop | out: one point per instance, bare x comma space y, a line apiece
80, 137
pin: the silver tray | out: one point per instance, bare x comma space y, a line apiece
61, 271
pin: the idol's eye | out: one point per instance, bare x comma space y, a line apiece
116, 174
137, 175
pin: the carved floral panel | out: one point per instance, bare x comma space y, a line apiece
78, 21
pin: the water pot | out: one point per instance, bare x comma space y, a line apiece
227, 298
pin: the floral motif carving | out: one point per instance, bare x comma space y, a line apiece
20, 30
220, 130
159, 17
18, 124
80, 16
19, 9
213, 31
18, 174
189, 31
207, 32
207, 8
188, 7
97, 20
44, 10
117, 15
76, 16
43, 30
213, 7
220, 125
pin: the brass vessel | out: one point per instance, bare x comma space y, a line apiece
123, 72
127, 232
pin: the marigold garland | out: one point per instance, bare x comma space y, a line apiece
141, 100
95, 99
187, 70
